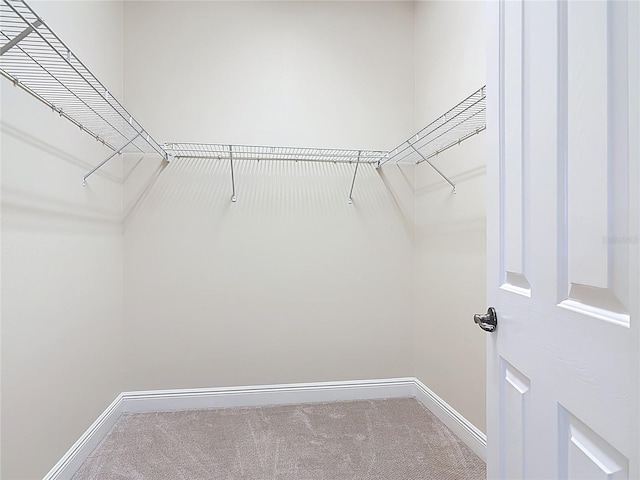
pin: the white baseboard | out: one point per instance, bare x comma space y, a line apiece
80, 451
159, 400
201, 398
459, 425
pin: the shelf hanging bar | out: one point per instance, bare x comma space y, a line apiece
21, 36
353, 182
458, 142
117, 152
233, 182
434, 167
74, 94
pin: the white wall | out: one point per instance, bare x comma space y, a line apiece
333, 74
450, 229
289, 284
61, 259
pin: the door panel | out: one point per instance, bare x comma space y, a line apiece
513, 397
597, 228
587, 141
585, 455
513, 206
563, 365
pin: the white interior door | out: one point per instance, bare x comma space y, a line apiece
563, 364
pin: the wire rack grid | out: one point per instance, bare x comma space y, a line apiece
258, 153
34, 58
464, 120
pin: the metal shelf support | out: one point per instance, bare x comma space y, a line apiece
425, 159
353, 182
18, 38
117, 152
233, 182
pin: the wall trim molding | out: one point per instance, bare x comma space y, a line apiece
466, 431
250, 396
253, 396
80, 451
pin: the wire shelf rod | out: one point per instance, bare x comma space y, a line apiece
463, 125
61, 113
453, 144
270, 148
63, 85
275, 158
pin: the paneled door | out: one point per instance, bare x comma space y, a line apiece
563, 242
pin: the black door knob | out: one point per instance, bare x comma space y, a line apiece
487, 321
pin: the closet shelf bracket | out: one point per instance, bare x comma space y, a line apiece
18, 38
233, 181
353, 182
425, 159
117, 152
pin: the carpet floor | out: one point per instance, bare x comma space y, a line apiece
395, 439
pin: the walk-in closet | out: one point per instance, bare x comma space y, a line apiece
268, 220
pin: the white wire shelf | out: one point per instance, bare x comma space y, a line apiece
231, 153
258, 153
466, 119
34, 58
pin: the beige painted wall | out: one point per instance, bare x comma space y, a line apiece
326, 74
289, 284
450, 229
61, 287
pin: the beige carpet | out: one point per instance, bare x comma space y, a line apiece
395, 439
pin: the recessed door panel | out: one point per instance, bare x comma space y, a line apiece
513, 398
596, 130
584, 455
513, 151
